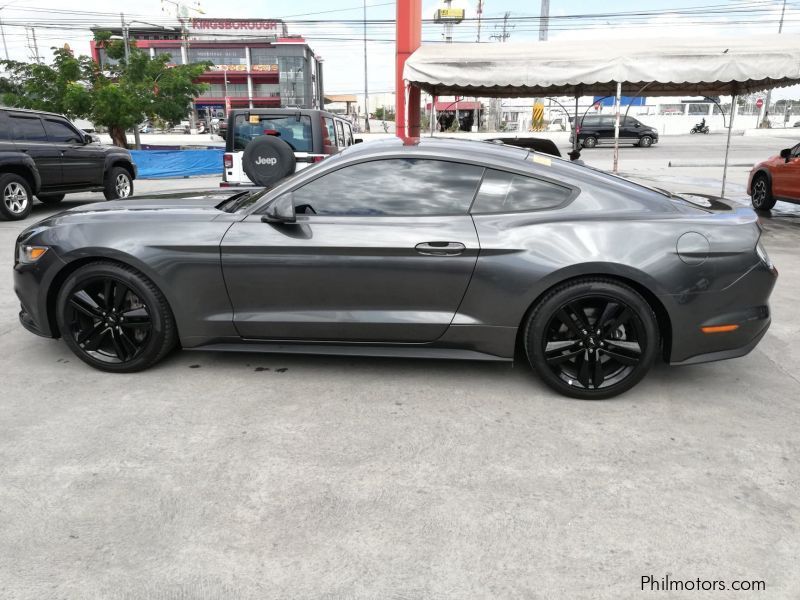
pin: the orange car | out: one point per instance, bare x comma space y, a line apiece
777, 178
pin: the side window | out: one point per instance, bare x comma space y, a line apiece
348, 131
28, 129
391, 187
328, 132
58, 131
339, 134
503, 192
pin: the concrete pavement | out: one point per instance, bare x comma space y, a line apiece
247, 476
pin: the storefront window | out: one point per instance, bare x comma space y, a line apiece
175, 57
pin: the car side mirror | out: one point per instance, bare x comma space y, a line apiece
786, 154
280, 210
358, 140
87, 139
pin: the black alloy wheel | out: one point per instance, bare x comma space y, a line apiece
761, 193
646, 141
590, 142
592, 339
114, 319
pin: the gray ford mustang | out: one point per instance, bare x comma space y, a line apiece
436, 249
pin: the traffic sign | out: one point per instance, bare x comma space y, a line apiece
759, 103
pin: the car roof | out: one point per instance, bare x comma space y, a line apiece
32, 111
283, 111
477, 150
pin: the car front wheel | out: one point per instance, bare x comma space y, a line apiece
16, 199
592, 338
114, 318
646, 141
118, 184
761, 193
589, 142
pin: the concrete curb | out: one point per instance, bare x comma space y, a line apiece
706, 163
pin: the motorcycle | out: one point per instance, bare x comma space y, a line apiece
699, 128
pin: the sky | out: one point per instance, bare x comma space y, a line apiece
324, 24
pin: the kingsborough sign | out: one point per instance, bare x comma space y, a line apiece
273, 26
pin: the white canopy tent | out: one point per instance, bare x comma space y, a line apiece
657, 67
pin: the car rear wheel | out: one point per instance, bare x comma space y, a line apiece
761, 193
646, 141
50, 198
16, 199
592, 338
589, 142
114, 318
118, 184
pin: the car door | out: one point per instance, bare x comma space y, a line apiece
382, 251
786, 176
30, 137
82, 164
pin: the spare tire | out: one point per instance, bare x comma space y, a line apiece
268, 159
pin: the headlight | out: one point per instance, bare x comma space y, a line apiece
762, 254
30, 254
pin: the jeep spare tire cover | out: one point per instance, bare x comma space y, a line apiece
268, 159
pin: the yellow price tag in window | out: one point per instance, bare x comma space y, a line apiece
255, 119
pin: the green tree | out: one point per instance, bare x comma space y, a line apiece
384, 114
118, 96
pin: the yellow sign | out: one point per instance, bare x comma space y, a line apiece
537, 122
255, 119
449, 14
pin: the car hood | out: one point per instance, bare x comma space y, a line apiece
182, 201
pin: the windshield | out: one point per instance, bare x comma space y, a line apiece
294, 130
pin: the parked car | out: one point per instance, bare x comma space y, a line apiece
264, 145
440, 249
777, 178
45, 155
596, 130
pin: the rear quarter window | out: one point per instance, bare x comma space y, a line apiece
293, 130
503, 192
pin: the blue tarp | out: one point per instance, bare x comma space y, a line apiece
155, 164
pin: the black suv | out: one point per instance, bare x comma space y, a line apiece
599, 129
44, 154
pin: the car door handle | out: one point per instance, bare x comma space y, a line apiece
440, 248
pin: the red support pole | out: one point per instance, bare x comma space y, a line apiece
407, 98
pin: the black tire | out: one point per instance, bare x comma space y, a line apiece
114, 318
761, 192
692, 131
50, 198
16, 198
118, 184
565, 353
645, 141
268, 159
589, 142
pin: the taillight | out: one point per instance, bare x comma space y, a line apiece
227, 161
578, 129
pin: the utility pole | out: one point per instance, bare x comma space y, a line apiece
501, 37
544, 20
3, 33
33, 47
137, 143
769, 92
366, 84
480, 14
